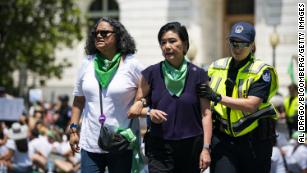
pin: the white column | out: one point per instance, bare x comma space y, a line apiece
212, 29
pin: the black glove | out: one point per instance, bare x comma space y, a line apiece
204, 90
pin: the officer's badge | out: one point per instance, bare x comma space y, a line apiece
239, 29
266, 76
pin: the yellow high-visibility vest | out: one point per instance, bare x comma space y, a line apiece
291, 109
239, 123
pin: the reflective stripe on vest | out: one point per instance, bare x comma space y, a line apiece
241, 93
250, 68
246, 121
218, 81
221, 63
241, 122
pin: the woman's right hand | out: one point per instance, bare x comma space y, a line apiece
157, 116
204, 160
74, 141
135, 110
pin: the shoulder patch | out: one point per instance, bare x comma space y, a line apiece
266, 76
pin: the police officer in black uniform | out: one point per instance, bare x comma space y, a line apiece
240, 90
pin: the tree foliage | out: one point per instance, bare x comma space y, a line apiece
31, 31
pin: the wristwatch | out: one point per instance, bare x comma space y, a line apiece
148, 111
207, 147
73, 126
144, 102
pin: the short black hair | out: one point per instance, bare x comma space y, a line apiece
64, 98
22, 145
292, 86
125, 44
176, 27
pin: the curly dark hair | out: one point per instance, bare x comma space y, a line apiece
176, 27
125, 44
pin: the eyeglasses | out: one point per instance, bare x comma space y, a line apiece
238, 45
103, 33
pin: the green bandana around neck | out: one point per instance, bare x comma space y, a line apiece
105, 69
174, 79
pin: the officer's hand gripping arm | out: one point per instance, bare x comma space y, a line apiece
203, 90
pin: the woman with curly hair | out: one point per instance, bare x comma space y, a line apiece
106, 85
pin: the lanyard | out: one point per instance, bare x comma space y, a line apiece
102, 117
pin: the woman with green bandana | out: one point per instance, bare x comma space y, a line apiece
106, 85
180, 123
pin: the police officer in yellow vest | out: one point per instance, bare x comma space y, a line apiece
244, 119
291, 108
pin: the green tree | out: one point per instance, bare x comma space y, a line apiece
30, 33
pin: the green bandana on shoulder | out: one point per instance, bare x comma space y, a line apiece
105, 69
174, 78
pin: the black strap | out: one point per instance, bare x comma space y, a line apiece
295, 148
100, 99
284, 160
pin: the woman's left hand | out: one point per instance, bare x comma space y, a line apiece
204, 160
157, 116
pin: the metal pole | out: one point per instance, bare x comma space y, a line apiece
274, 54
274, 40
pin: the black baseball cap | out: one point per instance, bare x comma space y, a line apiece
243, 31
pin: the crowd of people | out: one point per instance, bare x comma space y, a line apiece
288, 155
229, 119
38, 141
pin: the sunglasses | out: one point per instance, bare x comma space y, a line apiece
103, 33
238, 45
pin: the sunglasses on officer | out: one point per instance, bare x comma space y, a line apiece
238, 44
103, 33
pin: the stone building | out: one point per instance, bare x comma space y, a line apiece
208, 22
